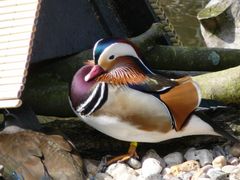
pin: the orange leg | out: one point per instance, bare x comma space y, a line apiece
131, 153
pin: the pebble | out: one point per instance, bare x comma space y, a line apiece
198, 165
187, 166
201, 173
219, 162
233, 161
121, 171
170, 177
1, 170
235, 150
134, 163
204, 156
216, 174
197, 176
102, 176
230, 169
185, 176
166, 170
234, 176
190, 154
206, 168
153, 154
152, 177
173, 158
91, 167
151, 167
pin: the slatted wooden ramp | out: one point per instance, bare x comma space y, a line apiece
17, 27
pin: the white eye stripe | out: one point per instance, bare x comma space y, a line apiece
118, 49
121, 49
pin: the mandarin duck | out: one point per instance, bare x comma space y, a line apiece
119, 95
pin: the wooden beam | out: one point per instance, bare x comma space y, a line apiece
10, 103
17, 28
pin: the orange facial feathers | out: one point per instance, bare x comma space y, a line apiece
120, 74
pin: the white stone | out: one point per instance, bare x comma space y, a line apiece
204, 156
170, 177
230, 169
219, 162
235, 176
121, 171
186, 175
153, 154
201, 173
102, 176
138, 171
215, 174
152, 177
134, 163
206, 168
173, 158
233, 161
166, 170
151, 167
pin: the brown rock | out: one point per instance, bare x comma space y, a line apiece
187, 166
235, 150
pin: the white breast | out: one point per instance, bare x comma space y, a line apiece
124, 101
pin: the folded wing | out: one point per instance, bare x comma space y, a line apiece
182, 100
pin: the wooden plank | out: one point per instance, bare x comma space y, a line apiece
13, 58
9, 87
17, 18
16, 22
15, 30
18, 8
9, 52
10, 103
12, 94
12, 80
17, 15
11, 66
12, 73
14, 44
15, 37
4, 3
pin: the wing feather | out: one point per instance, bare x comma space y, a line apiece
182, 100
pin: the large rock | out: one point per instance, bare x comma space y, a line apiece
220, 23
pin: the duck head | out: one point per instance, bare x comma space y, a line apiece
117, 61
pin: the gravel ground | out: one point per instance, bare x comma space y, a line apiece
218, 163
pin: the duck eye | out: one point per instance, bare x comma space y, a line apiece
111, 57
